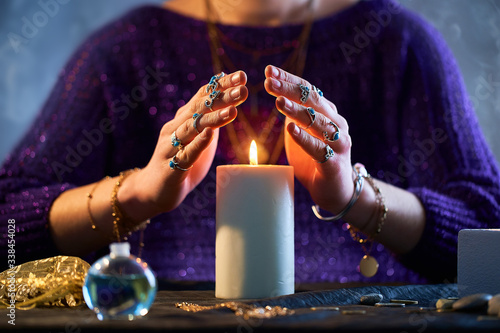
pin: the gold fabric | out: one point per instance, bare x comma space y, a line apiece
55, 281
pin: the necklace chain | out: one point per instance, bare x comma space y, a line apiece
294, 63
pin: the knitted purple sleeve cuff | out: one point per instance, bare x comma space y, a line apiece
30, 211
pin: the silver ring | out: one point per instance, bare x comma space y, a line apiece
176, 142
312, 115
212, 90
173, 164
317, 90
335, 135
196, 116
329, 153
304, 93
212, 96
214, 82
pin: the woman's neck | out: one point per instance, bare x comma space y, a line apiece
258, 12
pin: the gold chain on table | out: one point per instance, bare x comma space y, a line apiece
240, 309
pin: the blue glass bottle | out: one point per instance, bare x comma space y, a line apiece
120, 285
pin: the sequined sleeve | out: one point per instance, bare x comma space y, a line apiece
443, 157
60, 151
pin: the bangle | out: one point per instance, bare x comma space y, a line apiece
360, 173
90, 196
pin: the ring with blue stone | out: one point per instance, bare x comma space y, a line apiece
312, 115
316, 89
304, 93
214, 82
212, 91
335, 135
173, 164
329, 153
176, 142
212, 96
196, 116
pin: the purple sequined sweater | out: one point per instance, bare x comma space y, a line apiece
389, 73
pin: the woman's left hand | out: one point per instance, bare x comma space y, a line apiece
329, 179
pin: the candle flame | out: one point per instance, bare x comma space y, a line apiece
253, 153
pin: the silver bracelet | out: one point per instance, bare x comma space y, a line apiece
361, 173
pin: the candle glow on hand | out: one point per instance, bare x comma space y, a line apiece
253, 153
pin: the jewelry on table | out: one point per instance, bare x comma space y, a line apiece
246, 311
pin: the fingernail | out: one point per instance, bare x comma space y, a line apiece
235, 93
288, 104
296, 130
275, 83
235, 79
275, 72
224, 113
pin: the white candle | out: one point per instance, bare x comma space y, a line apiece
254, 245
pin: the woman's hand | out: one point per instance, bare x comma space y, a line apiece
328, 180
158, 188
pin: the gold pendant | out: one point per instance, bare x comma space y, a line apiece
368, 266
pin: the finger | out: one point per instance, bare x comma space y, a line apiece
310, 144
226, 82
232, 96
273, 72
187, 157
321, 124
222, 85
187, 131
293, 92
282, 75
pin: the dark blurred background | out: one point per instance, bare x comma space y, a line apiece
28, 69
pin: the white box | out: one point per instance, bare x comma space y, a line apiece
478, 261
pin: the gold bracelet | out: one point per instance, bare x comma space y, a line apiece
90, 196
120, 218
382, 207
381, 213
368, 265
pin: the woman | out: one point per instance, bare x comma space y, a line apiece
132, 95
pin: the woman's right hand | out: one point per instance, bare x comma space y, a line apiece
157, 188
